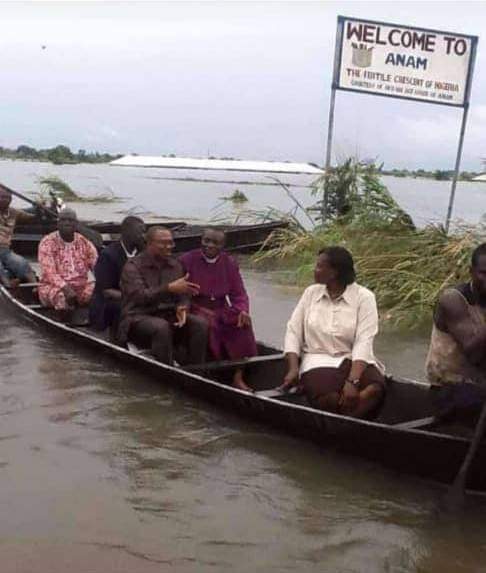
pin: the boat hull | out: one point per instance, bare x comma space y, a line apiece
239, 238
435, 455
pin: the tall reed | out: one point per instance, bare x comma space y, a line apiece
405, 267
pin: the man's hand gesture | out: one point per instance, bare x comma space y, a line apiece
183, 286
181, 316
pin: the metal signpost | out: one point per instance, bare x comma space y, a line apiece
403, 62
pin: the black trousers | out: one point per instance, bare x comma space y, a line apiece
159, 333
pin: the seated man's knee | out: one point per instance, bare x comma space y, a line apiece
18, 266
197, 322
160, 327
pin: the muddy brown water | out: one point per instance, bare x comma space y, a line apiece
105, 470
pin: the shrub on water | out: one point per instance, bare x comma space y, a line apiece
53, 184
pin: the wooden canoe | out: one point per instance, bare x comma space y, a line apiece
239, 238
45, 227
404, 436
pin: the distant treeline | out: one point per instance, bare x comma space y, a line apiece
58, 155
438, 174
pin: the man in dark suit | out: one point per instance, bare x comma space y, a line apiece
105, 304
156, 298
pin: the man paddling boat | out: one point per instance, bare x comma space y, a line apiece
457, 353
13, 267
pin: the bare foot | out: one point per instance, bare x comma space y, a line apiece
242, 385
239, 383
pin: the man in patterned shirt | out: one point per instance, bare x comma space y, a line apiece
12, 266
65, 259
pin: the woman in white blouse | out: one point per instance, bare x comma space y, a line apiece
331, 333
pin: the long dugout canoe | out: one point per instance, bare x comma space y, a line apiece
405, 436
239, 238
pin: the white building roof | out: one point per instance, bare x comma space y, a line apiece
221, 164
481, 177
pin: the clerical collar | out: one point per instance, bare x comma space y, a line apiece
129, 255
211, 261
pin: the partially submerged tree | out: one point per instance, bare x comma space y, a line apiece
354, 194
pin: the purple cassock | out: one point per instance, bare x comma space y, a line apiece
221, 298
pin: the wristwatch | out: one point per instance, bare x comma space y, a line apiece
354, 382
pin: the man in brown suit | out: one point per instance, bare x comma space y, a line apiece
155, 303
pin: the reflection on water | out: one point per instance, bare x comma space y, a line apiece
112, 471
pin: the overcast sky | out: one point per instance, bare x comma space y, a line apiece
243, 79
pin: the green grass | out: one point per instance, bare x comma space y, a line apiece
405, 268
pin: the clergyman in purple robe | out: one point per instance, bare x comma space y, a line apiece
222, 301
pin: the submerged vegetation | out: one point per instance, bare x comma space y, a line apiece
54, 186
405, 267
236, 197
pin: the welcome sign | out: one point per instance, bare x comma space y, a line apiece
403, 61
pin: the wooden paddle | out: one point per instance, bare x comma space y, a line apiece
86, 231
454, 499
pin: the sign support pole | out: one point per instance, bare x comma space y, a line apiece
330, 125
472, 61
330, 130
456, 169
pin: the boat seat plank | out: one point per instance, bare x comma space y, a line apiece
415, 424
276, 393
24, 285
231, 364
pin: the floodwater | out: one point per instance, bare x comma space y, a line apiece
105, 470
179, 194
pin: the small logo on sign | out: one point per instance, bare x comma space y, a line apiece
362, 55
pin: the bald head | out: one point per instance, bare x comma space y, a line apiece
212, 242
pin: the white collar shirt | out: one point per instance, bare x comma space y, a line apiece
325, 331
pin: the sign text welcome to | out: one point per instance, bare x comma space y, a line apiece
405, 62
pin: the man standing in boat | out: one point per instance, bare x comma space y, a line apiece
12, 266
66, 258
155, 303
106, 300
457, 353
